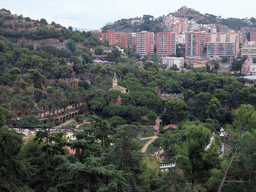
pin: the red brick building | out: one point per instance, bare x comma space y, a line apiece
166, 43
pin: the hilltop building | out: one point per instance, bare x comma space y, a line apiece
176, 24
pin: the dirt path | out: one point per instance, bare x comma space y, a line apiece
69, 121
63, 124
156, 127
144, 149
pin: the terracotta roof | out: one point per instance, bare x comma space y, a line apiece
170, 126
73, 151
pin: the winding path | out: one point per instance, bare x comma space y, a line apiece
156, 127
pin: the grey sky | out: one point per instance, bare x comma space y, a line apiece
94, 14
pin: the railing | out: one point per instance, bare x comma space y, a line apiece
167, 165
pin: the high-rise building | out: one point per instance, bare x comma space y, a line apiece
166, 43
144, 43
248, 51
195, 44
131, 40
251, 36
223, 45
115, 38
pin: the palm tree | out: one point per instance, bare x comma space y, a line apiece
43, 104
16, 104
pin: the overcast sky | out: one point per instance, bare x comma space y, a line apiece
94, 14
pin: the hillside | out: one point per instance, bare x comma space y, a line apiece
156, 25
119, 103
146, 23
19, 29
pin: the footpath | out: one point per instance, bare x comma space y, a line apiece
152, 139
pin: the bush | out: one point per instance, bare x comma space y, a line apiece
157, 142
98, 50
148, 134
79, 118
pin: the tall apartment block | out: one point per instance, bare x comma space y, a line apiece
115, 38
248, 51
144, 43
166, 43
195, 45
223, 45
251, 36
131, 40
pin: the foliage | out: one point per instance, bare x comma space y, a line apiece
107, 153
71, 45
30, 121
5, 116
98, 50
114, 55
176, 111
14, 171
149, 168
79, 118
237, 63
116, 121
147, 24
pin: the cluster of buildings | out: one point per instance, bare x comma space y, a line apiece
248, 68
204, 45
199, 41
143, 42
249, 49
250, 45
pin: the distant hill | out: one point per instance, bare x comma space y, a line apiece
207, 18
156, 25
82, 29
146, 23
19, 29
